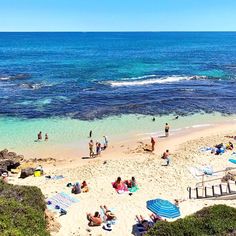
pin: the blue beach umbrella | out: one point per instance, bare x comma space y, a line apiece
163, 208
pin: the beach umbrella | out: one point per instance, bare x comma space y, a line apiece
163, 208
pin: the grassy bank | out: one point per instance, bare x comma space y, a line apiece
214, 220
22, 211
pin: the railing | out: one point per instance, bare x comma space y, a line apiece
212, 191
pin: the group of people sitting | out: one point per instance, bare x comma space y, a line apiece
220, 148
123, 186
106, 216
77, 188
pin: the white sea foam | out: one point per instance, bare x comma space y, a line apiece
152, 79
202, 125
5, 78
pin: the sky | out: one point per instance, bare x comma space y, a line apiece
117, 15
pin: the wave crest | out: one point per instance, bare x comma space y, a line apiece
152, 79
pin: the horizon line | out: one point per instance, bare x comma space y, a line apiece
125, 31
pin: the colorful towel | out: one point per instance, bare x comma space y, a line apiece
122, 189
232, 161
133, 189
62, 200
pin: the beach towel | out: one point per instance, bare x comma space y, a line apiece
122, 189
55, 177
198, 172
102, 214
232, 161
133, 189
205, 149
139, 230
62, 200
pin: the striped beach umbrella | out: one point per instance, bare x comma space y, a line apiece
163, 208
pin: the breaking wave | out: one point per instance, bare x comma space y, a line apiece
152, 79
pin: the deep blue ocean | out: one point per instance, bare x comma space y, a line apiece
93, 75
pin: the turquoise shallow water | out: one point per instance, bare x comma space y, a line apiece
19, 134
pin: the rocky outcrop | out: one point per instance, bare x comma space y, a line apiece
26, 172
9, 160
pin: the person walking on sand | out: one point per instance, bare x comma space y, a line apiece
91, 153
90, 133
167, 128
166, 156
46, 137
153, 144
40, 136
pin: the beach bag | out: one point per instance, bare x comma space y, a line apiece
37, 173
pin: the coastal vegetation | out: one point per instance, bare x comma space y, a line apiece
22, 211
213, 220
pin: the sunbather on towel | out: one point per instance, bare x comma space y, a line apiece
95, 220
108, 214
155, 218
76, 188
145, 223
120, 186
131, 183
230, 136
229, 146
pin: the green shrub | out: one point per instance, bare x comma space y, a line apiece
213, 220
22, 211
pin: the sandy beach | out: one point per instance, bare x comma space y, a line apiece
154, 179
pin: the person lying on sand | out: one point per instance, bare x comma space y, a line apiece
108, 214
145, 223
229, 146
178, 201
131, 183
95, 220
155, 218
228, 136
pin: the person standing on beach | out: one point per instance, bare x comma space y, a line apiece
105, 142
40, 136
166, 156
167, 128
91, 153
90, 134
46, 137
153, 143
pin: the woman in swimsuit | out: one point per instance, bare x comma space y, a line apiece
95, 220
167, 127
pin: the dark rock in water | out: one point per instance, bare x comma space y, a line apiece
19, 76
26, 172
31, 86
